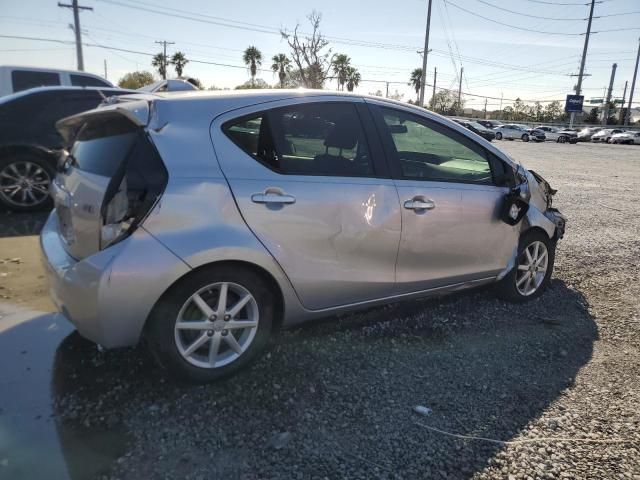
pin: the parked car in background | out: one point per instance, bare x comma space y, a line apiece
605, 135
313, 203
560, 135
585, 134
513, 131
30, 143
491, 124
170, 85
16, 79
477, 128
626, 137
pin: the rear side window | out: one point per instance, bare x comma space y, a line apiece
101, 145
25, 79
308, 139
86, 81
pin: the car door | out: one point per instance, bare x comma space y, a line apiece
450, 198
317, 193
510, 131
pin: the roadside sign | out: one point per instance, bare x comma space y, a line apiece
596, 100
573, 103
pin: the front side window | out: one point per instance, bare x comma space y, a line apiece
426, 150
25, 79
307, 139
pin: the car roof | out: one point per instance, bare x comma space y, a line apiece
220, 101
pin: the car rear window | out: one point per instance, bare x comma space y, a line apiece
100, 145
25, 79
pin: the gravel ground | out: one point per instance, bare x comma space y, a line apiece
551, 386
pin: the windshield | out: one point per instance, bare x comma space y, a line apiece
478, 126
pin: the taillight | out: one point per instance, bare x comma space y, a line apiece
132, 192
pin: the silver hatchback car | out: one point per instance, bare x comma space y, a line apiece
204, 222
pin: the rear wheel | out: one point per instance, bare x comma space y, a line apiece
24, 182
532, 272
525, 137
498, 136
211, 324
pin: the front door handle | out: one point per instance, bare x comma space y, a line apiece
419, 204
273, 196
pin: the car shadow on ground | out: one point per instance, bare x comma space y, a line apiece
333, 398
18, 224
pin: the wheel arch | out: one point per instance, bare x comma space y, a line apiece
265, 275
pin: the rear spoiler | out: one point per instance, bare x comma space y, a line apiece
138, 111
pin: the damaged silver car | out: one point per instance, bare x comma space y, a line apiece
203, 222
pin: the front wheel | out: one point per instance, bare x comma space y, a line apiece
562, 139
211, 324
498, 136
532, 272
525, 138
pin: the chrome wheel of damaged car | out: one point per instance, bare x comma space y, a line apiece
532, 268
24, 184
216, 325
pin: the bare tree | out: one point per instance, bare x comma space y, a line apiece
308, 52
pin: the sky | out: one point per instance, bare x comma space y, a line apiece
382, 38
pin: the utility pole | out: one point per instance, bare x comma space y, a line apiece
624, 97
584, 59
460, 90
485, 108
423, 80
500, 114
633, 87
605, 115
76, 28
435, 79
387, 95
164, 44
105, 69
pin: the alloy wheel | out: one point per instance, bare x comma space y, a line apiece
24, 184
216, 325
532, 268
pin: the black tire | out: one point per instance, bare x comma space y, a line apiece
498, 136
562, 139
525, 137
159, 331
48, 172
506, 288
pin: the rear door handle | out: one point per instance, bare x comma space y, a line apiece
419, 204
273, 196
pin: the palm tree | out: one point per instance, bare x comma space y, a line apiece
179, 60
252, 58
353, 78
416, 82
341, 63
159, 61
281, 65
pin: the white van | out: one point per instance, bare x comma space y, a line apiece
14, 79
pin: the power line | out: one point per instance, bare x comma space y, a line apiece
529, 15
508, 24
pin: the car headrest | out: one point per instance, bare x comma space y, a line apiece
342, 135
